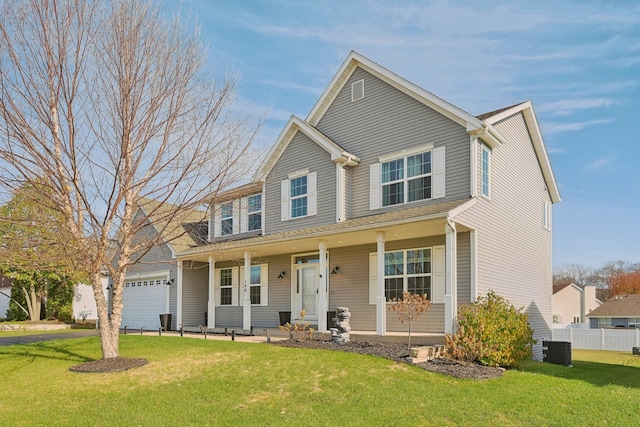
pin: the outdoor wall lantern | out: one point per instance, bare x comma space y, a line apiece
335, 270
282, 274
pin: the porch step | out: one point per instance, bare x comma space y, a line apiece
425, 353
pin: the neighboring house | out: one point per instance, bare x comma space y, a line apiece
150, 286
621, 311
6, 284
84, 302
382, 188
572, 303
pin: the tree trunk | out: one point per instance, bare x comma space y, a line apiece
109, 325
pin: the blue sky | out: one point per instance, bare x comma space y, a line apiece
577, 61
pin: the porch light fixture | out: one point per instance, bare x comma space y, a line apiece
335, 270
282, 274
169, 282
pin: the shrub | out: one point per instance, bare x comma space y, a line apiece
492, 332
410, 308
299, 330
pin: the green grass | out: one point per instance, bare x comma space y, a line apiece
197, 382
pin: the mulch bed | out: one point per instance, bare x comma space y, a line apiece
113, 364
399, 353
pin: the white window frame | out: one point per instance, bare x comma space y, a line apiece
437, 175
234, 286
311, 195
485, 172
436, 282
253, 213
262, 284
224, 216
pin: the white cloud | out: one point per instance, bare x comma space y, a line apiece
602, 162
568, 106
576, 126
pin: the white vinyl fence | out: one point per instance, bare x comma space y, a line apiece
598, 339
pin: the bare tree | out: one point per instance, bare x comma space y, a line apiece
581, 275
107, 105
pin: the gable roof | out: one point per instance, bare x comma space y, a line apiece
179, 231
558, 288
619, 306
293, 126
526, 108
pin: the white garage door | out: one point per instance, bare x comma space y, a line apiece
144, 301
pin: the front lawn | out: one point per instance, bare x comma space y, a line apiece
196, 382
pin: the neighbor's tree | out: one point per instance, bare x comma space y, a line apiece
30, 253
626, 283
105, 104
581, 275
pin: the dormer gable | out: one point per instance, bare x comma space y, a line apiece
294, 125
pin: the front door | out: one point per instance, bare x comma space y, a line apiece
306, 291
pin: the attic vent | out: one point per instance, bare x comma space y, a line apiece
357, 90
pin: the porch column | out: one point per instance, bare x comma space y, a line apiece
450, 293
211, 306
246, 295
381, 301
179, 296
322, 287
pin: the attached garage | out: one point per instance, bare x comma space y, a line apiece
145, 299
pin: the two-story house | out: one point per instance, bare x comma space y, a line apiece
382, 188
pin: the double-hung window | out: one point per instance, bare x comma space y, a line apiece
226, 286
407, 179
409, 176
257, 284
486, 169
226, 219
254, 212
407, 271
298, 195
298, 190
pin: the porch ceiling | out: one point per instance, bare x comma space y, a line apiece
398, 225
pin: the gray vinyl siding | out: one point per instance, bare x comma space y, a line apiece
350, 288
514, 249
387, 121
463, 270
195, 293
301, 153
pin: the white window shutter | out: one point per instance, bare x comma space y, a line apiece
243, 215
373, 278
285, 213
235, 292
264, 284
236, 216
374, 186
438, 277
438, 176
217, 223
312, 193
217, 287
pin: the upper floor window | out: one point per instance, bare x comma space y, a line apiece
298, 188
400, 187
298, 195
254, 212
226, 219
486, 165
415, 175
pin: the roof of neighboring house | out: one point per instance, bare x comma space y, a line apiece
181, 231
619, 306
558, 287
